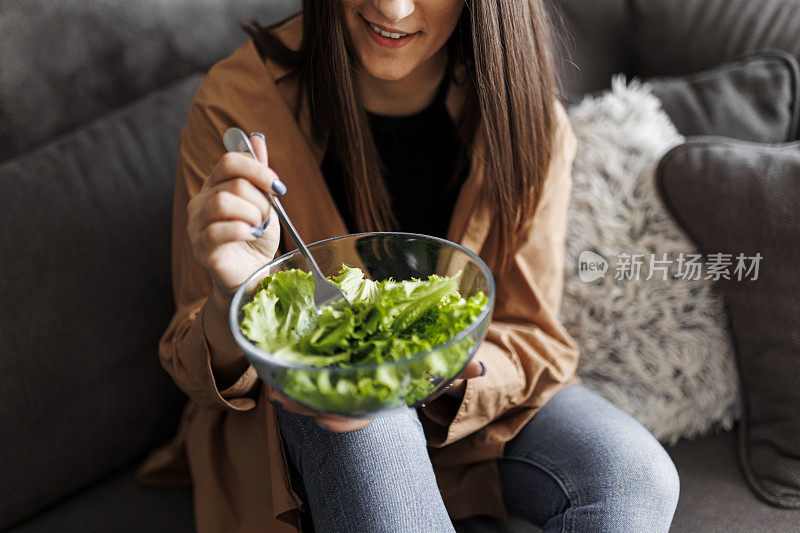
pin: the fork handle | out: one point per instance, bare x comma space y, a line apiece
312, 263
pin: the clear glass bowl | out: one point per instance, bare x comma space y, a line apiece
421, 377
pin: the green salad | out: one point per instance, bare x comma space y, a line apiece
388, 321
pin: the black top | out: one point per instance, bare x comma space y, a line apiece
419, 153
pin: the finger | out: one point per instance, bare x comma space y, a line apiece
335, 424
249, 192
290, 405
342, 425
457, 388
259, 142
473, 370
219, 233
240, 165
224, 205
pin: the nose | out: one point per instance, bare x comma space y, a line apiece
395, 10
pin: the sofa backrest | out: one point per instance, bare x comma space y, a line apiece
67, 62
674, 37
591, 42
64, 63
664, 37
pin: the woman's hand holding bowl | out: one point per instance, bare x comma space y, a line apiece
341, 424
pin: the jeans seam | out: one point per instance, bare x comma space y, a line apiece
562, 480
566, 522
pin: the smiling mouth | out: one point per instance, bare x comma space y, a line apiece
386, 32
390, 35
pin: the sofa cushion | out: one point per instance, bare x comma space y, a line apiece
754, 99
714, 497
741, 201
683, 36
714, 494
121, 505
85, 279
117, 504
64, 63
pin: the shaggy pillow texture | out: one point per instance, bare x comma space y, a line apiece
659, 348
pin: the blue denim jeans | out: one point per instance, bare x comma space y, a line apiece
581, 464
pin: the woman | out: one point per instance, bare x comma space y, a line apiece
436, 116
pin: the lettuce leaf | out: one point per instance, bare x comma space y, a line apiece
387, 321
282, 311
354, 286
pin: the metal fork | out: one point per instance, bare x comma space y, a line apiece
325, 292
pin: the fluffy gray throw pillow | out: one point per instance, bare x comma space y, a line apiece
658, 348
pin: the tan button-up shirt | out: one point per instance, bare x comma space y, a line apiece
228, 444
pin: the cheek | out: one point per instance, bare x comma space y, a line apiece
446, 13
440, 19
350, 14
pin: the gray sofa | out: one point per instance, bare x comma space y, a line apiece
92, 97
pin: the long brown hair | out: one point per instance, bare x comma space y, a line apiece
504, 49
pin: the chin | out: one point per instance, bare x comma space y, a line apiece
386, 70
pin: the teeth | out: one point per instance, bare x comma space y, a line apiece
386, 33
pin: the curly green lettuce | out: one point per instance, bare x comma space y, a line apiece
387, 321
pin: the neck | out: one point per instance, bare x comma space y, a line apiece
405, 96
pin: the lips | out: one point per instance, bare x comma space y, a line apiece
386, 33
387, 37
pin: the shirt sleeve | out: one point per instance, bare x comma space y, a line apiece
184, 350
526, 349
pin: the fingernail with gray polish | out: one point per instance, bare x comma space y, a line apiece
259, 134
257, 233
323, 426
274, 402
279, 187
483, 368
263, 226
